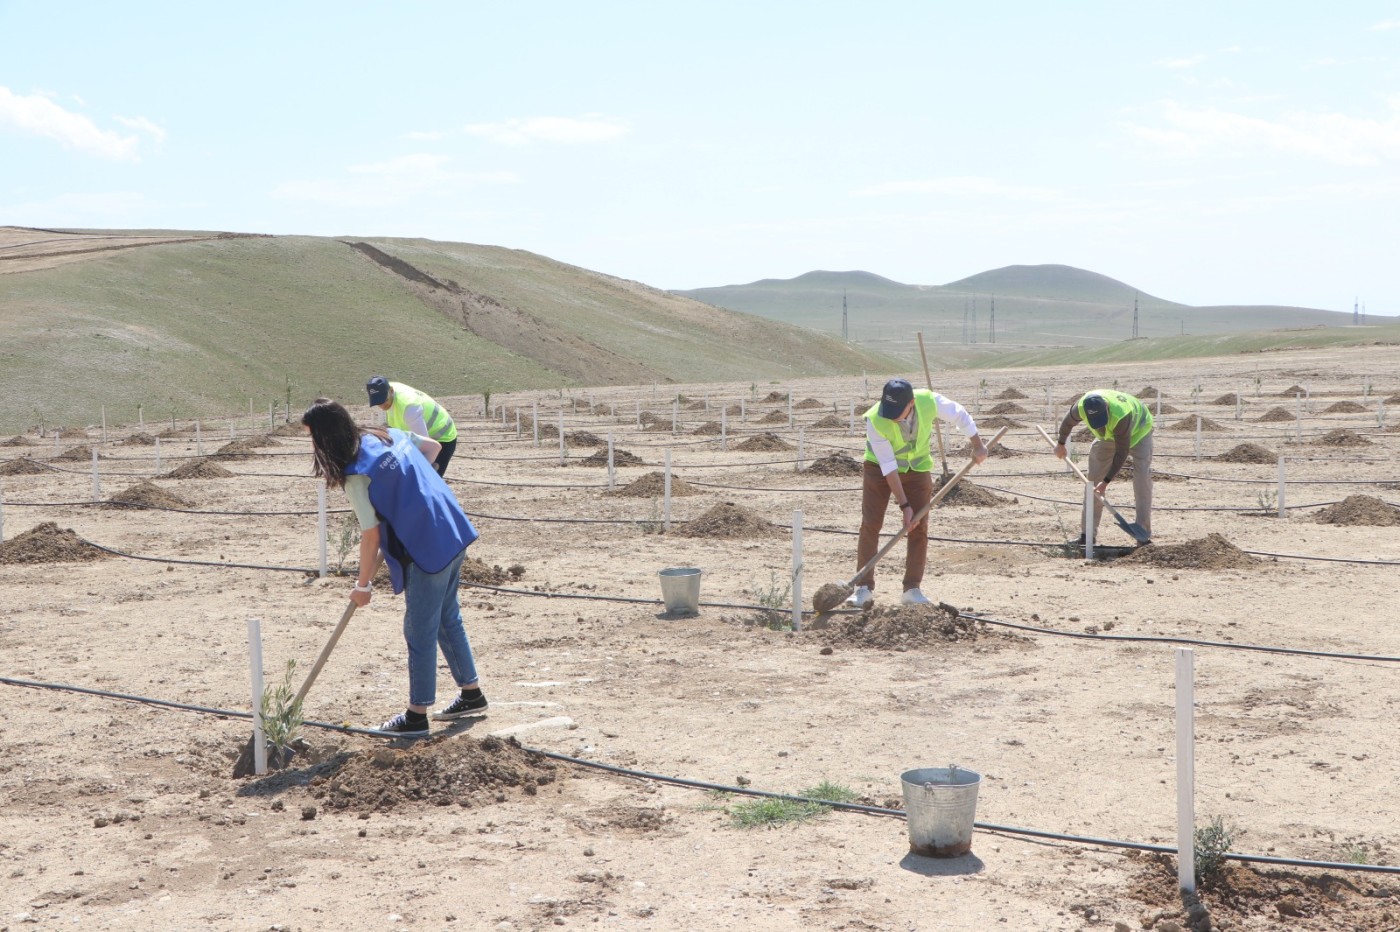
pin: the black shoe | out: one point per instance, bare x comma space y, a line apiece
400, 726
462, 707
1077, 542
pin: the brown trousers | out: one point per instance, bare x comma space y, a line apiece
874, 502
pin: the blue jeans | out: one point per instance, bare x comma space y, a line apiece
432, 619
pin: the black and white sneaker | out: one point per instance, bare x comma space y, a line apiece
400, 726
462, 707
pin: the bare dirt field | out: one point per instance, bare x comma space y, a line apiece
117, 814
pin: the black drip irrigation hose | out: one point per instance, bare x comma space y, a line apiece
724, 788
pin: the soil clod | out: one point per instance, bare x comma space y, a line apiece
147, 494
653, 485
1249, 453
199, 469
763, 443
1356, 510
1212, 552
834, 464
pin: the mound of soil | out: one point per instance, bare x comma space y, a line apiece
1341, 437
1012, 394
708, 429
257, 441
22, 466
198, 469
807, 404
18, 440
773, 397
140, 439
697, 406
242, 449
661, 427
1189, 423
1230, 399
147, 494
1148, 392
478, 572
774, 417
763, 443
1007, 407
1292, 390
970, 495
1249, 453
1393, 400
620, 458
1240, 896
1277, 414
288, 429
457, 771
734, 410
48, 543
1212, 552
998, 451
1344, 407
832, 420
905, 627
81, 453
602, 409
653, 485
728, 520
1166, 409
175, 433
1360, 510
583, 438
998, 422
834, 464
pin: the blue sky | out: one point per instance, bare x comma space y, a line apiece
1207, 153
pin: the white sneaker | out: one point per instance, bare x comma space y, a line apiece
914, 597
861, 597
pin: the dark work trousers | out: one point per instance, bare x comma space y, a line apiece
445, 456
874, 501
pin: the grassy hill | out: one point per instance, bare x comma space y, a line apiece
199, 324
1036, 307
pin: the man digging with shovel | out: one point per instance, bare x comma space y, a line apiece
1122, 427
899, 465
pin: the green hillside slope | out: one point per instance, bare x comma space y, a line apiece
201, 327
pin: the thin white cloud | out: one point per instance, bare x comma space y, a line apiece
141, 124
958, 186
1331, 137
117, 208
391, 183
1385, 25
36, 115
564, 130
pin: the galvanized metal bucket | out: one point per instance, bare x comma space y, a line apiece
941, 806
680, 590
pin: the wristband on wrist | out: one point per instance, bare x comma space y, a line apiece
365, 588
904, 505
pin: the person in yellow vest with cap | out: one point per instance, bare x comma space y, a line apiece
899, 465
1122, 427
406, 408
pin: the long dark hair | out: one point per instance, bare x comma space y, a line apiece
335, 439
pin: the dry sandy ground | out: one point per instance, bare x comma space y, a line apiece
125, 816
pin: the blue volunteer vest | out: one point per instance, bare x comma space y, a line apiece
419, 518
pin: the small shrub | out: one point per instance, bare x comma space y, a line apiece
281, 716
1212, 843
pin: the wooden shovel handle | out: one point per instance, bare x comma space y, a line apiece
937, 431
1072, 464
325, 653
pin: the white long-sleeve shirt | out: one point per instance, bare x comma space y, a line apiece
948, 410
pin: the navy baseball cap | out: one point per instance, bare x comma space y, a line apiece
378, 388
895, 398
1096, 410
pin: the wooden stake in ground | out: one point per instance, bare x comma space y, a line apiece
826, 601
937, 431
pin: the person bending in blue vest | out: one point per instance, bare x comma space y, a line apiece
407, 513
